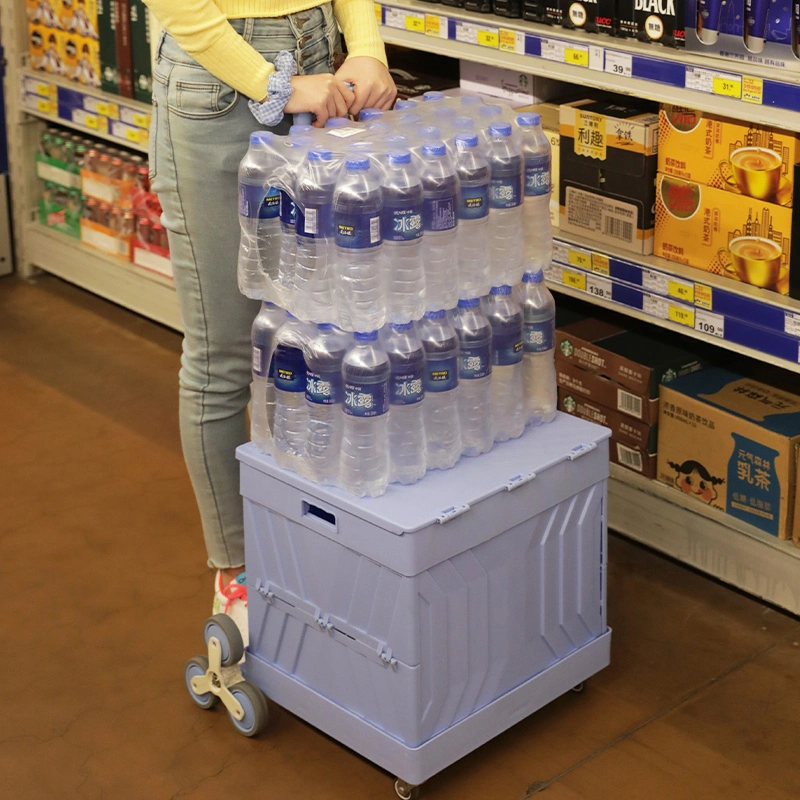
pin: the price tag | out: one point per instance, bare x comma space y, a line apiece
489, 37
141, 120
600, 264
656, 282
720, 83
144, 138
599, 287
703, 296
552, 50
580, 259
577, 55
727, 87
415, 22
577, 280
681, 315
560, 252
712, 324
619, 64
433, 26
752, 90
394, 18
44, 106
655, 306
791, 324
466, 32
512, 41
132, 135
44, 89
378, 13
681, 290
90, 121
553, 273
597, 58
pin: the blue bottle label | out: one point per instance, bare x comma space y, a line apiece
315, 221
539, 336
505, 192
290, 369
357, 231
476, 361
474, 202
537, 176
401, 223
253, 203
439, 213
507, 349
288, 209
366, 399
324, 388
441, 375
406, 387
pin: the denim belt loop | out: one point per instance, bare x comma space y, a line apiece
249, 25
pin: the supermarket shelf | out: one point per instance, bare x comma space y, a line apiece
146, 293
90, 111
761, 94
704, 538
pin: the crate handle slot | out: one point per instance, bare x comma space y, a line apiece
327, 518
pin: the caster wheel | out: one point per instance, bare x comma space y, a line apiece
254, 705
195, 668
579, 688
405, 791
223, 628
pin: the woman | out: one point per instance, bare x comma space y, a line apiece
223, 69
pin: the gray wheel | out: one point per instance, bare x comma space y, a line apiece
222, 627
579, 687
254, 704
405, 791
195, 667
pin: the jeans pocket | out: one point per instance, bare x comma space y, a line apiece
194, 93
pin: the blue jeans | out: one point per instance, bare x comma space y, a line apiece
200, 132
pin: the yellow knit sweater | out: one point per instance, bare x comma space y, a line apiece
201, 28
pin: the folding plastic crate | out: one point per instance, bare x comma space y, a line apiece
415, 626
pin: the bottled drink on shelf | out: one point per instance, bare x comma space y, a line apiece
262, 413
364, 465
536, 153
538, 365
440, 410
474, 377
507, 405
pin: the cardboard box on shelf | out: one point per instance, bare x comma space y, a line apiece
79, 17
140, 50
107, 32
731, 443
122, 12
632, 458
608, 170
46, 48
728, 234
47, 13
743, 158
505, 84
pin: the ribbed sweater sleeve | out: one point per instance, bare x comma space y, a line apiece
360, 28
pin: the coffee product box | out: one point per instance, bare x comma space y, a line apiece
608, 167
47, 13
724, 233
107, 31
731, 442
740, 157
535, 11
140, 51
550, 113
593, 16
122, 14
80, 18
47, 49
632, 458
505, 84
605, 392
653, 21
87, 70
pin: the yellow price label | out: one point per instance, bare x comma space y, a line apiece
600, 264
681, 291
141, 120
433, 25
683, 316
44, 106
488, 39
44, 89
132, 135
727, 87
508, 41
703, 296
90, 121
378, 13
580, 259
752, 90
415, 23
102, 108
576, 56
576, 280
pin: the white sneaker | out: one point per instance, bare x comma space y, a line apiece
232, 600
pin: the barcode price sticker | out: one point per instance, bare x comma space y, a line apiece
601, 264
730, 86
512, 41
681, 315
552, 50
415, 22
724, 84
711, 324
656, 282
681, 290
599, 287
132, 135
577, 280
141, 120
394, 18
620, 64
435, 26
466, 32
579, 258
489, 37
45, 106
791, 324
560, 252
655, 306
577, 55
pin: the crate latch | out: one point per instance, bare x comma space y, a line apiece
581, 450
385, 655
519, 480
452, 513
324, 623
264, 590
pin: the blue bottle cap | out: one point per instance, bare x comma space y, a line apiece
268, 304
491, 111
529, 119
430, 132
401, 104
434, 149
505, 289
337, 122
435, 314
398, 157
500, 129
466, 140
319, 154
533, 277
356, 163
401, 326
428, 96
301, 129
325, 326
261, 137
365, 336
369, 113
469, 302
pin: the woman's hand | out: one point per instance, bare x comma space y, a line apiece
323, 95
374, 87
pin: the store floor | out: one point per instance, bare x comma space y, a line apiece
105, 589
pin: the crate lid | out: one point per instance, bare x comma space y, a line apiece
441, 495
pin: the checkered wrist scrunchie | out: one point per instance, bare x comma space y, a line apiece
279, 90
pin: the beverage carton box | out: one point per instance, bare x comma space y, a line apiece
107, 32
47, 49
122, 13
140, 51
654, 21
79, 17
740, 157
731, 442
536, 11
505, 84
593, 16
646, 464
725, 233
46, 13
609, 159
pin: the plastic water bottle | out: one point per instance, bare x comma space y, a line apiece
369, 114
258, 220
313, 278
490, 113
262, 410
401, 229
505, 317
471, 101
404, 105
290, 428
463, 124
324, 396
440, 220
364, 465
433, 96
430, 133
505, 200
337, 122
474, 377
360, 285
406, 401
536, 152
538, 365
473, 217
288, 217
440, 410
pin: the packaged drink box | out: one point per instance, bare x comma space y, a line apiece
79, 17
505, 84
655, 21
479, 6
46, 48
122, 12
608, 163
47, 13
82, 59
718, 231
60, 208
106, 239
140, 50
593, 16
107, 32
549, 112
749, 31
605, 392
535, 11
731, 442
740, 157
508, 8
414, 84
646, 464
